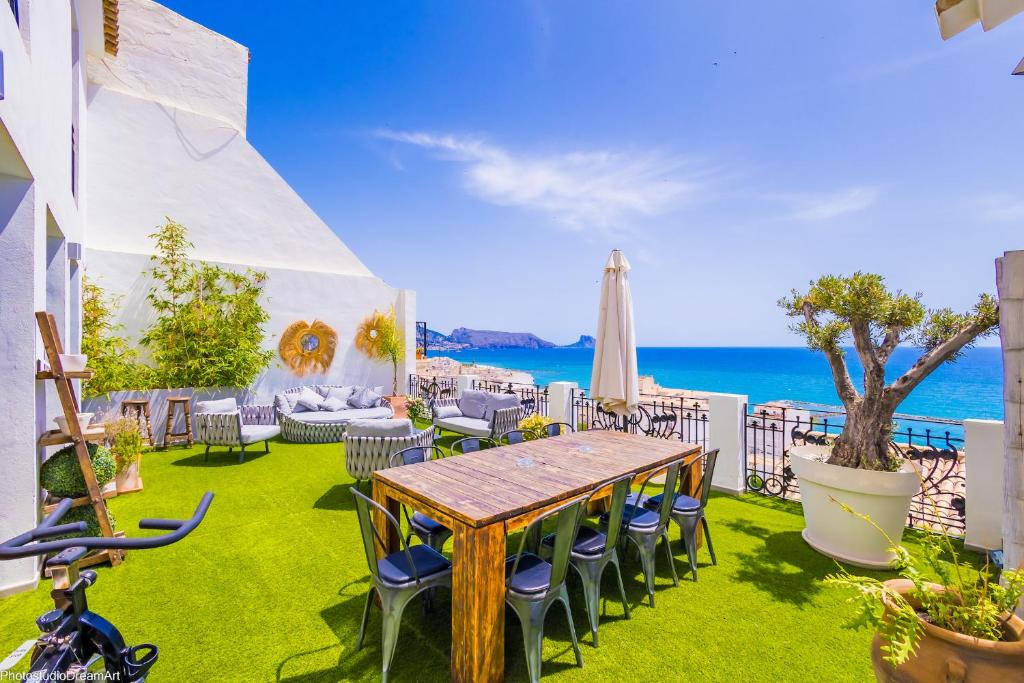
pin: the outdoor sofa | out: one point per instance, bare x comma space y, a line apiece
369, 444
223, 422
320, 413
478, 413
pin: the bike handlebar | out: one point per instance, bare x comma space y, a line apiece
19, 545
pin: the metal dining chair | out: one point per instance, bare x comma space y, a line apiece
471, 444
557, 428
396, 578
428, 530
514, 436
644, 528
594, 550
533, 585
688, 511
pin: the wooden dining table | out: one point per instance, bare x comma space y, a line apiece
486, 495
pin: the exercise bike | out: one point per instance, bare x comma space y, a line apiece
74, 638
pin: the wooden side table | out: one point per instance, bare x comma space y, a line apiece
138, 408
171, 438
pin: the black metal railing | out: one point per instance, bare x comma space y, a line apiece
666, 417
533, 397
935, 445
433, 387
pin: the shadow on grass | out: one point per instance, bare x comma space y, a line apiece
219, 457
337, 498
783, 565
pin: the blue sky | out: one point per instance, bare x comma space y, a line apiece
489, 154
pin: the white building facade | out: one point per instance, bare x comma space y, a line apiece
115, 115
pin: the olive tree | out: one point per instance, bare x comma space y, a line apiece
836, 308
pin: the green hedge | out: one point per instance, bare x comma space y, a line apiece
62, 477
87, 514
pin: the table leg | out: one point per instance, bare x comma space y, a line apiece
478, 604
392, 542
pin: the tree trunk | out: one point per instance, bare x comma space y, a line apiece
864, 442
1010, 281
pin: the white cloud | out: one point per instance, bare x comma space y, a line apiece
582, 189
821, 207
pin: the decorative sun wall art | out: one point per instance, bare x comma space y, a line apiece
308, 348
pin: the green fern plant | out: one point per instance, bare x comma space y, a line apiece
965, 603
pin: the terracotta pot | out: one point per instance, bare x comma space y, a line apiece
400, 404
947, 657
129, 479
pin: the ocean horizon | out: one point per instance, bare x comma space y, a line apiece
970, 387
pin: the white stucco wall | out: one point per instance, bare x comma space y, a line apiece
43, 77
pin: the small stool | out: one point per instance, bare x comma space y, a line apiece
138, 408
170, 437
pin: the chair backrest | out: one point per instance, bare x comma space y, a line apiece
557, 428
514, 436
471, 444
620, 490
668, 500
567, 523
704, 485
365, 507
415, 454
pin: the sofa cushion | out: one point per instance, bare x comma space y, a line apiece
254, 433
470, 426
381, 427
333, 404
441, 412
364, 398
498, 402
223, 405
308, 400
345, 415
341, 393
473, 403
285, 402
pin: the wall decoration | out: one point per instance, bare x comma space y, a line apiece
379, 338
308, 348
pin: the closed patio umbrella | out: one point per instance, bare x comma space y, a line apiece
613, 383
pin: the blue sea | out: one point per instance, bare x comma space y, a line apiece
971, 387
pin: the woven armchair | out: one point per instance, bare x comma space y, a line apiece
503, 419
366, 454
244, 426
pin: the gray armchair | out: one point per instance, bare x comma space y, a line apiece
369, 444
478, 413
225, 423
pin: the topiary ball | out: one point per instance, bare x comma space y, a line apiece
62, 477
84, 513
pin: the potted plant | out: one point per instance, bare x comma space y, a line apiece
125, 440
417, 409
862, 468
961, 628
379, 338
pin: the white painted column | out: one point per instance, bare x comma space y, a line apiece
405, 318
560, 402
1010, 284
465, 382
983, 471
727, 415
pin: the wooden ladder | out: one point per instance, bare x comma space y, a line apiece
69, 402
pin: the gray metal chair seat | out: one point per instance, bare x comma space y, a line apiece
396, 570
639, 517
681, 504
589, 541
532, 575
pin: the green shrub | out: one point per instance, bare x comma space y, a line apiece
84, 513
113, 359
62, 477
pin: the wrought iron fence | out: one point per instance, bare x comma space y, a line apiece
433, 387
935, 445
532, 396
666, 417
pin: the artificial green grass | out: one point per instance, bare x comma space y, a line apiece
271, 587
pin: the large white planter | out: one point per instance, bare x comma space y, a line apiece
883, 496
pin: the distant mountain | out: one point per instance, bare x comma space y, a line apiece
465, 338
585, 342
